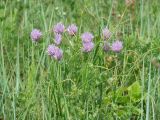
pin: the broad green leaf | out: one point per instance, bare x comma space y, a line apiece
134, 91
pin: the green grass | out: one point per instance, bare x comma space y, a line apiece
92, 86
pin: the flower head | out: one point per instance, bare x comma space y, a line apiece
72, 29
55, 52
117, 46
106, 33
87, 47
59, 28
36, 35
57, 38
87, 37
106, 47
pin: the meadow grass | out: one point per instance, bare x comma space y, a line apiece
82, 86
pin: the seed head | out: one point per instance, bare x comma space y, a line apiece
106, 46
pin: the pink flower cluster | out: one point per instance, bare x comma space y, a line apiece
55, 52
87, 41
116, 46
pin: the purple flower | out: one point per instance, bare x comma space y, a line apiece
57, 38
88, 46
59, 28
55, 52
117, 46
72, 29
106, 33
35, 35
106, 47
87, 37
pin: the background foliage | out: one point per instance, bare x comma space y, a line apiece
97, 85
